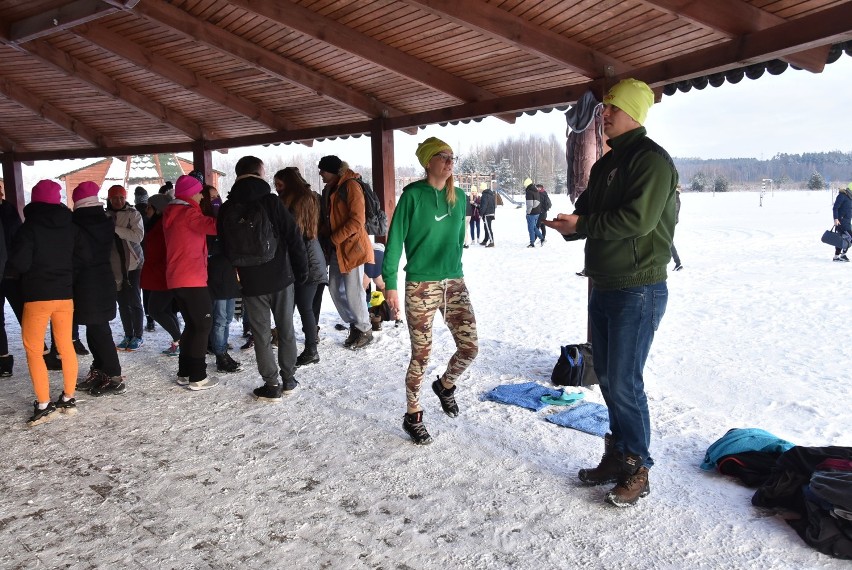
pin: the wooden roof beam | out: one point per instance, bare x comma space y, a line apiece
334, 33
505, 27
64, 17
735, 18
827, 27
271, 63
112, 42
72, 66
52, 114
7, 144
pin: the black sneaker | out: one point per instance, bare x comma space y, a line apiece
79, 348
843, 257
289, 386
531, 245
248, 344
41, 416
66, 406
447, 398
581, 273
149, 327
224, 363
678, 267
6, 364
307, 357
268, 393
113, 386
363, 339
93, 378
413, 426
337, 327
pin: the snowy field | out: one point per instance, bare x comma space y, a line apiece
756, 335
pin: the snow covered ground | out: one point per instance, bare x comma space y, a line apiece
756, 335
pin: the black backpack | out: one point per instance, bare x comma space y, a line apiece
377, 219
575, 366
248, 235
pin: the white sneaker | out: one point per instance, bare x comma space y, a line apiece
181, 380
837, 258
203, 384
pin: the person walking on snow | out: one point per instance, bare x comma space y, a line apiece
842, 212
533, 211
429, 224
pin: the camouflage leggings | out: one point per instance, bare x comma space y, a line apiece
421, 301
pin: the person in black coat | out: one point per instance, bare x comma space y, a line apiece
94, 289
10, 220
487, 209
41, 256
842, 212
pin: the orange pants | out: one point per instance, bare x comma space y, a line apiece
36, 315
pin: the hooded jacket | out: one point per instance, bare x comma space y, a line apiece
842, 209
627, 213
487, 204
43, 252
532, 198
129, 233
185, 230
94, 290
290, 264
346, 219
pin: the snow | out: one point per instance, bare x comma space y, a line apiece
754, 336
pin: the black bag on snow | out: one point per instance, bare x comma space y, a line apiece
248, 236
376, 219
575, 366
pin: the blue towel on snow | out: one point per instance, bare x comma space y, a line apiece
587, 417
739, 440
527, 395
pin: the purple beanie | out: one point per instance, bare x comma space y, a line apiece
85, 190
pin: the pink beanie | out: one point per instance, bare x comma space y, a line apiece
187, 187
46, 191
85, 190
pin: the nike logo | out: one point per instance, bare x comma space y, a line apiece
437, 219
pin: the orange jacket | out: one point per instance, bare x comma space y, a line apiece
351, 241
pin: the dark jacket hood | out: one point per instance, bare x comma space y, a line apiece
48, 215
248, 188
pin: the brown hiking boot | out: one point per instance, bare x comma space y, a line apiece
632, 484
608, 470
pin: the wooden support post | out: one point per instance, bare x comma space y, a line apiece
202, 160
384, 175
13, 182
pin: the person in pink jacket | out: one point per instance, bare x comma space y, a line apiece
186, 229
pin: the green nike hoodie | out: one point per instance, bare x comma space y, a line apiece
431, 232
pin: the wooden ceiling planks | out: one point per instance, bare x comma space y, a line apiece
135, 77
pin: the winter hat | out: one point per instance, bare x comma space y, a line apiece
429, 148
116, 190
483, 185
46, 191
330, 164
198, 175
141, 195
527, 181
85, 190
187, 187
632, 96
159, 202
849, 187
167, 188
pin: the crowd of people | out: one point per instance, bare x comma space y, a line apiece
278, 251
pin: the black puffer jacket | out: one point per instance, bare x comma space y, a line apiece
487, 206
94, 287
290, 264
221, 277
43, 252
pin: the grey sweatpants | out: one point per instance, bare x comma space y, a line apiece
280, 304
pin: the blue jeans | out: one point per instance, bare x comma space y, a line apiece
223, 313
623, 322
532, 228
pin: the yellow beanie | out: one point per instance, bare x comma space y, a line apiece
849, 187
429, 148
483, 185
527, 182
632, 96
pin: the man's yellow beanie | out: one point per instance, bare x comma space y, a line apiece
632, 96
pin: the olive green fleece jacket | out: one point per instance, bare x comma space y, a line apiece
627, 213
432, 233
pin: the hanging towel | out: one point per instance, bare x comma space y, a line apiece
526, 395
587, 417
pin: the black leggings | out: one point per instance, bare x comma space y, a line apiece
160, 304
304, 296
197, 310
104, 354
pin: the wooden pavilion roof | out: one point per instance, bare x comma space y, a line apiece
87, 78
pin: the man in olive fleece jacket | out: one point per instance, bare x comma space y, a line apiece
627, 216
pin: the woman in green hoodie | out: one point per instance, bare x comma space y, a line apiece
429, 223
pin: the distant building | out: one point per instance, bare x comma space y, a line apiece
149, 171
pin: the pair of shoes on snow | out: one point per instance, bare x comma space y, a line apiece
412, 423
267, 393
841, 257
224, 363
130, 344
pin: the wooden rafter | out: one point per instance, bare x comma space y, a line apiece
271, 63
735, 18
108, 86
112, 42
6, 142
64, 17
505, 27
343, 37
49, 112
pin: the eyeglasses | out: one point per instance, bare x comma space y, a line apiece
446, 157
